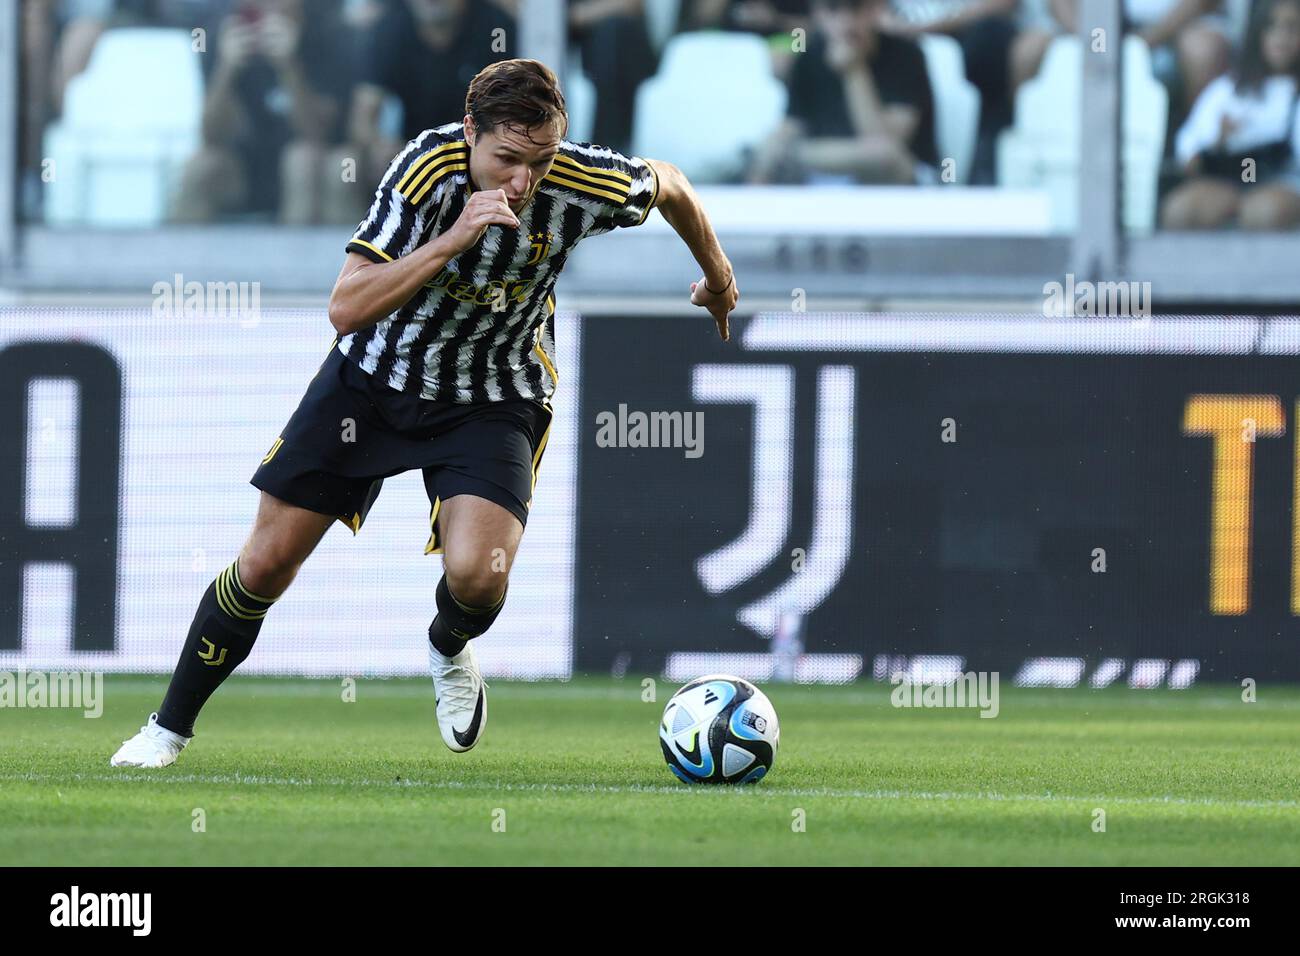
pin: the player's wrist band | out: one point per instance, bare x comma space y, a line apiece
724, 288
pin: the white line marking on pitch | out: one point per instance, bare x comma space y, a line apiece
1041, 701
758, 791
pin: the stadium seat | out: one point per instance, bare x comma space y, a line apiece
956, 102
1043, 148
129, 123
709, 127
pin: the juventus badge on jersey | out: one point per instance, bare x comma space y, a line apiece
541, 246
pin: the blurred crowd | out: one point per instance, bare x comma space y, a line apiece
861, 103
296, 89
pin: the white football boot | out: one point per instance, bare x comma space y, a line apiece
462, 698
153, 746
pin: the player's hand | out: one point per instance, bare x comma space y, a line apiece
720, 304
486, 208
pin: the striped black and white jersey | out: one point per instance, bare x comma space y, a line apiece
482, 330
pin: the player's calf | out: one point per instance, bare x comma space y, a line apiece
480, 540
458, 686
464, 615
221, 637
226, 624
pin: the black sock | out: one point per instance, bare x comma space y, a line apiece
456, 624
220, 639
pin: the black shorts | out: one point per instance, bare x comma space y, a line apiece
351, 431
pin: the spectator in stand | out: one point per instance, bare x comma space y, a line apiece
66, 31
775, 19
1244, 122
1002, 43
1189, 41
860, 110
58, 38
617, 57
77, 25
278, 84
423, 53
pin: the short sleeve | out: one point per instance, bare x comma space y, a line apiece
408, 197
619, 190
1200, 131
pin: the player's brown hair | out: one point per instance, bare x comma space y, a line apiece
516, 94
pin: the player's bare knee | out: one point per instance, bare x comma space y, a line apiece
267, 570
476, 586
478, 591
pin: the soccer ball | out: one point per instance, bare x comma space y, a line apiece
719, 729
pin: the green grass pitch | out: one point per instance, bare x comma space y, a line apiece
286, 772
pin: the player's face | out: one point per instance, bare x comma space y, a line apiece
511, 159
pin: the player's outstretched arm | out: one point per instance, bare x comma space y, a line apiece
680, 206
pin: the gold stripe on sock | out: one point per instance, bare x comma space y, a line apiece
240, 584
229, 604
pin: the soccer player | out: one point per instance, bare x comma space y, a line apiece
444, 362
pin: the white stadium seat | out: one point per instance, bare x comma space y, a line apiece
1042, 150
708, 126
129, 123
956, 102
